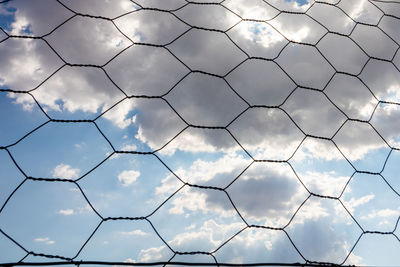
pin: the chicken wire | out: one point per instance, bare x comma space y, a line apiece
155, 10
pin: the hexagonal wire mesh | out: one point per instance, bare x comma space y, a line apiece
298, 101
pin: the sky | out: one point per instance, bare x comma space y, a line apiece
240, 131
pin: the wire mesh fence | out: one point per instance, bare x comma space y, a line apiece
298, 101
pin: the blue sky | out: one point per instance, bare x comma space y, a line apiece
278, 114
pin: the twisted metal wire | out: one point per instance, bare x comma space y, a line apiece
62, 260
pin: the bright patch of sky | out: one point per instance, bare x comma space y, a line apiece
204, 133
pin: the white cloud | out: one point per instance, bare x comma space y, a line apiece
207, 237
258, 39
129, 147
381, 213
325, 183
355, 202
135, 233
45, 240
128, 177
266, 193
152, 254
298, 28
118, 114
251, 9
129, 260
65, 171
356, 140
219, 172
66, 212
32, 59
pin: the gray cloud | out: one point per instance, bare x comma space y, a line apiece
389, 26
305, 65
74, 41
261, 82
103, 8
156, 121
202, 140
208, 16
38, 19
362, 11
268, 192
322, 230
366, 37
207, 51
386, 120
332, 18
266, 133
29, 63
357, 139
343, 53
351, 96
383, 83
205, 100
165, 4
389, 8
305, 104
134, 71
149, 26
299, 28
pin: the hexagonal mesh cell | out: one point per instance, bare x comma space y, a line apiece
200, 132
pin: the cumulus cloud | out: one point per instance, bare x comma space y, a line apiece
386, 120
362, 11
65, 171
153, 254
298, 28
36, 20
332, 18
356, 140
253, 9
128, 177
29, 63
91, 91
351, 96
144, 26
101, 8
267, 134
205, 100
75, 46
258, 39
208, 16
265, 194
207, 237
